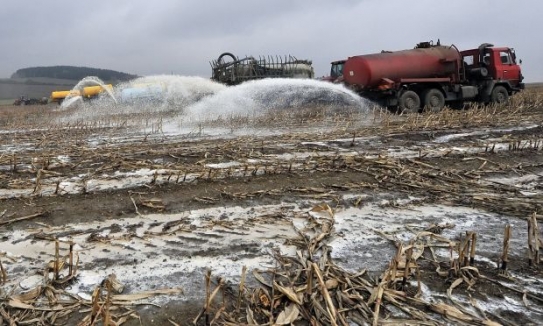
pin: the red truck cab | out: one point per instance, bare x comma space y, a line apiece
500, 63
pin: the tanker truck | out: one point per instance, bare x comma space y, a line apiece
143, 93
430, 76
231, 70
89, 92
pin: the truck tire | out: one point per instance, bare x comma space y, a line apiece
499, 95
434, 100
409, 102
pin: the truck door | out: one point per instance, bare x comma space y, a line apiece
507, 68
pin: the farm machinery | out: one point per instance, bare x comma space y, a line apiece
23, 100
431, 76
231, 70
143, 93
86, 93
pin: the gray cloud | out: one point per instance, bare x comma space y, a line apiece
182, 36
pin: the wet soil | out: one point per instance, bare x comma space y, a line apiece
330, 175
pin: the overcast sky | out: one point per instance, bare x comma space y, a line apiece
181, 36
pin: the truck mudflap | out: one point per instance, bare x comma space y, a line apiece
487, 91
391, 102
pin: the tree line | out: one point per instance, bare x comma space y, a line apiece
73, 73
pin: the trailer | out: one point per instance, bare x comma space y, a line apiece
231, 70
143, 93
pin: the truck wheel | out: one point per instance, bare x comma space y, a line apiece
409, 102
499, 95
434, 100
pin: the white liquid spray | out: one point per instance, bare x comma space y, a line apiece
179, 102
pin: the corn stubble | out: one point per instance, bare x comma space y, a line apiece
312, 288
309, 286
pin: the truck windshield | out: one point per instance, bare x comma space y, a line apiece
513, 55
505, 58
337, 70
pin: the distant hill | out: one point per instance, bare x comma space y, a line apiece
35, 88
71, 73
39, 81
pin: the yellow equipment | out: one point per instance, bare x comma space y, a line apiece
92, 91
58, 96
88, 92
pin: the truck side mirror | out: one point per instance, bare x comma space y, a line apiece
520, 62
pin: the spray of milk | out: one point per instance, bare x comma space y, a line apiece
181, 101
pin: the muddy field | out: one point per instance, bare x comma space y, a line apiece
341, 216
